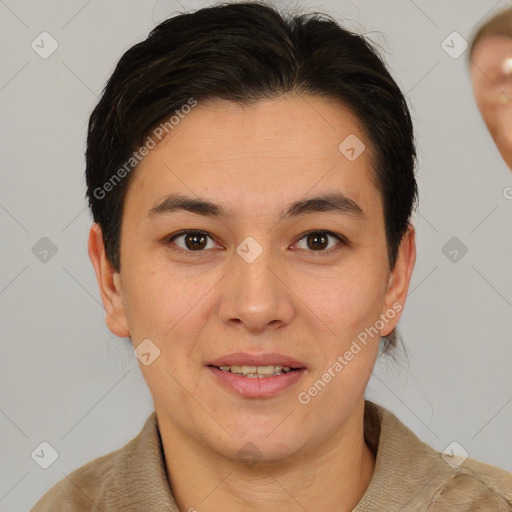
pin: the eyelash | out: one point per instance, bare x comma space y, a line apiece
343, 241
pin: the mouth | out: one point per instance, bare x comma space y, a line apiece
254, 376
256, 372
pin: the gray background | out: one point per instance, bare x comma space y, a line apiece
67, 380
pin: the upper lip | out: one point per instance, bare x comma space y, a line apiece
244, 359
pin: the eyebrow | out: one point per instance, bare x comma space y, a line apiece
335, 202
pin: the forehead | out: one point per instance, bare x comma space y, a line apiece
264, 150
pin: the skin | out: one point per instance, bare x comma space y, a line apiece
492, 87
197, 307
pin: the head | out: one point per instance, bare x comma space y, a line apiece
286, 149
490, 59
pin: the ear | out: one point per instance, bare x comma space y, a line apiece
399, 280
109, 283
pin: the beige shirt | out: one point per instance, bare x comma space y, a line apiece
408, 476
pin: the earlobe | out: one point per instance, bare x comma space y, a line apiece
108, 283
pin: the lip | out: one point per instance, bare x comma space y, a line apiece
256, 388
243, 358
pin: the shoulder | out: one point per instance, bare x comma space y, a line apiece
79, 490
411, 475
475, 486
111, 481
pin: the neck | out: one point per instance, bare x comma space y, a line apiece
333, 476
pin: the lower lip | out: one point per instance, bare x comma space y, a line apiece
259, 387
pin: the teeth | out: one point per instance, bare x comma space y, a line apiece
268, 370
254, 372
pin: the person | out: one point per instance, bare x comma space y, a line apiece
251, 176
490, 59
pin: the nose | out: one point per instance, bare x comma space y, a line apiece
255, 296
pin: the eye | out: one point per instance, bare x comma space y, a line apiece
191, 241
318, 241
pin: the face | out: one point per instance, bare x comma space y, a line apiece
491, 75
251, 274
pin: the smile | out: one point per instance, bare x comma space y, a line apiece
248, 382
256, 372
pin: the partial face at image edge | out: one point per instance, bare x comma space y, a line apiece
491, 76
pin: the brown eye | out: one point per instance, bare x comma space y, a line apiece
317, 241
195, 241
191, 241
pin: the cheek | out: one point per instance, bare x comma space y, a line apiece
157, 301
164, 307
172, 308
344, 302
